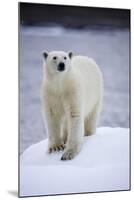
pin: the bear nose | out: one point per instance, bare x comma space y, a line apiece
61, 66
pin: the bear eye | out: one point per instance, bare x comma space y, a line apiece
65, 58
54, 57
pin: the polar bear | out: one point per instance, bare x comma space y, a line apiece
72, 91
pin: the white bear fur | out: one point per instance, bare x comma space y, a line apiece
72, 101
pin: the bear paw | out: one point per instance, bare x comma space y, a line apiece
59, 147
68, 155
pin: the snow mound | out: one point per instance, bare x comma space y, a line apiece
102, 165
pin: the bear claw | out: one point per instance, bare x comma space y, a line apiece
67, 155
56, 148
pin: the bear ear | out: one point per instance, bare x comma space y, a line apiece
45, 55
70, 54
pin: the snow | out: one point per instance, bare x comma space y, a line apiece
102, 165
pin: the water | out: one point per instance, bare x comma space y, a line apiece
109, 48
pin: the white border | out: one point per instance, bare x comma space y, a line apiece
9, 97
94, 3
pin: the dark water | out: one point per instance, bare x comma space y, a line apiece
109, 48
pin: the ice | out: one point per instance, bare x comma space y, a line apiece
102, 165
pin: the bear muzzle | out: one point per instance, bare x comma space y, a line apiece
61, 66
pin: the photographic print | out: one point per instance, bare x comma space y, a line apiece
74, 99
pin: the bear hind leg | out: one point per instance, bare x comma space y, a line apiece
91, 121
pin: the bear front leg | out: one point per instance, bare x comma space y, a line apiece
75, 137
54, 139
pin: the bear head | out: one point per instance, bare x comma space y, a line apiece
57, 61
